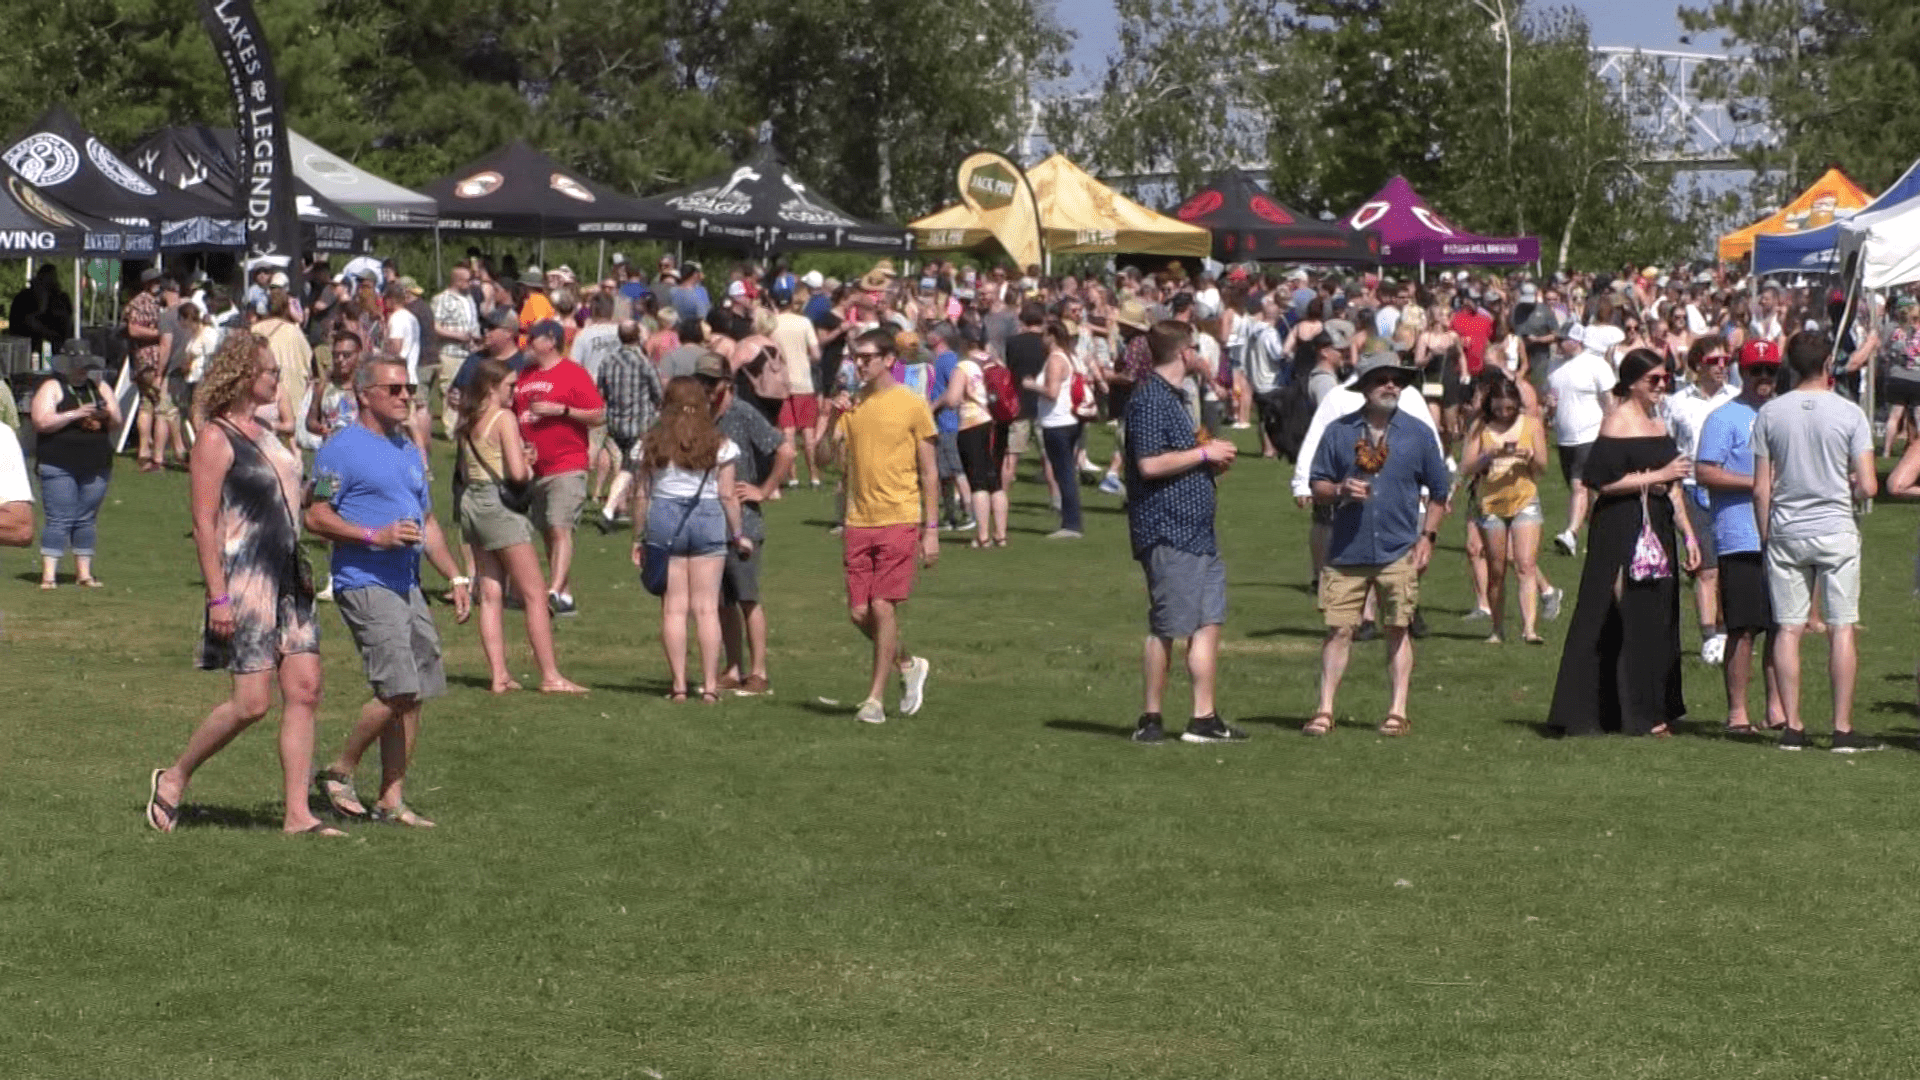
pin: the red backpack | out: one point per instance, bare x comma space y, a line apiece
1003, 397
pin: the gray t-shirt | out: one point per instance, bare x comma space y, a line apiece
680, 361
1319, 383
758, 441
1812, 440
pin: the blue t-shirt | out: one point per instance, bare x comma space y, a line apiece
1726, 440
635, 291
818, 305
946, 421
1386, 525
373, 481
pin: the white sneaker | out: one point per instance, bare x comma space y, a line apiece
1568, 543
871, 713
1478, 614
1714, 650
913, 686
1111, 485
325, 595
1064, 534
1550, 602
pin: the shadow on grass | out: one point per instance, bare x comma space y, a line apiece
1902, 708
1538, 727
202, 816
1088, 727
1288, 723
1316, 632
821, 708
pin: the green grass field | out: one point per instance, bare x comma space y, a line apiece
1002, 886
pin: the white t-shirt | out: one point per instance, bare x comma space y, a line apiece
1207, 302
404, 328
1340, 401
14, 485
1687, 415
1576, 386
674, 482
593, 344
1601, 338
1386, 321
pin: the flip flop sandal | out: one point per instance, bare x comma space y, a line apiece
1395, 726
709, 697
1320, 725
161, 814
399, 815
91, 583
320, 828
337, 788
1739, 729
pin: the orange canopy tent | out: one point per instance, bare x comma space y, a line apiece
1832, 197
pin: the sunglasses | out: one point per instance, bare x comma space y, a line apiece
1399, 381
1659, 382
867, 355
1716, 360
396, 389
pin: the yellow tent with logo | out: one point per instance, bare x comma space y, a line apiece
1832, 197
1080, 216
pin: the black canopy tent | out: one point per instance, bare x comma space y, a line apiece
760, 207
519, 191
205, 160
1250, 225
72, 168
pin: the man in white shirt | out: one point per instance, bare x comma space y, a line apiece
1687, 410
16, 493
1579, 393
403, 342
1387, 319
1766, 325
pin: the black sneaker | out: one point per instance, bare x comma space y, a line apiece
1418, 628
1792, 740
1149, 729
1852, 742
1368, 631
1211, 729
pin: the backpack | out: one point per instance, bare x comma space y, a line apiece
1003, 397
1286, 414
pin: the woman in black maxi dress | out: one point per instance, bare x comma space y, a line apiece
1620, 670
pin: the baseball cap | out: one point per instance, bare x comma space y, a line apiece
711, 365
1572, 331
1529, 293
738, 291
411, 286
813, 279
1759, 353
1338, 334
549, 329
501, 319
278, 280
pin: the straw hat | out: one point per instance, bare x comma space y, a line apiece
1133, 314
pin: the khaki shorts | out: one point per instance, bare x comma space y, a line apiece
1343, 592
557, 500
1019, 437
1795, 566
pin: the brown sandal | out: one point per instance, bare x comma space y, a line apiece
1395, 726
1319, 725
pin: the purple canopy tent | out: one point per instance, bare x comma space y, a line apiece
1411, 233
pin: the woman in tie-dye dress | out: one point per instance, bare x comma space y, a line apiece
259, 611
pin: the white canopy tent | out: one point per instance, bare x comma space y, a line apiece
1883, 246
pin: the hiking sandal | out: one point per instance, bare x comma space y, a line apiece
1319, 725
1395, 726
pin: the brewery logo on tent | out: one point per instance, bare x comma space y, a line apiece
568, 186
803, 209
116, 170
479, 185
1200, 205
39, 207
1269, 209
725, 199
992, 186
44, 160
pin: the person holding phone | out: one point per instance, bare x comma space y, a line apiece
75, 417
1506, 450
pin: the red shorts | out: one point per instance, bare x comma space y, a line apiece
799, 412
880, 563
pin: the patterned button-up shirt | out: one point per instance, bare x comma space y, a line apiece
1173, 510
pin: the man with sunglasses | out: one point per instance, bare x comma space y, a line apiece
557, 404
371, 499
1687, 410
1373, 466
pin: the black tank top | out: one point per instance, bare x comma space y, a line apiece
73, 448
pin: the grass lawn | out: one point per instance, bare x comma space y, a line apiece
1002, 886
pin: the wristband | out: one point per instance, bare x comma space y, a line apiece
1203, 456
366, 537
220, 601
456, 582
1432, 537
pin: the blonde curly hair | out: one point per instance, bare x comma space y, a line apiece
229, 374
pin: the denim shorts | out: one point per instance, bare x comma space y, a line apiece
1530, 514
704, 533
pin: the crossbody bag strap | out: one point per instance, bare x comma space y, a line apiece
492, 476
695, 501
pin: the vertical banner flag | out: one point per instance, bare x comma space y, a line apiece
266, 166
999, 193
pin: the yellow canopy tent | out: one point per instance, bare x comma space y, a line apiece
1079, 214
1831, 197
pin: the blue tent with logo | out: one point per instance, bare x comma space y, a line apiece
1816, 251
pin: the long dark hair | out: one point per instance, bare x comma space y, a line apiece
1497, 390
487, 377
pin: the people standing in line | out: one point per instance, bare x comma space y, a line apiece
1706, 360
259, 626
1813, 457
765, 462
893, 514
1506, 451
977, 440
685, 498
372, 500
491, 458
1373, 465
630, 385
1059, 427
75, 417
1620, 668
1579, 394
557, 404
1724, 468
1171, 503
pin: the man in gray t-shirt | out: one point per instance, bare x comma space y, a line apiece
1813, 457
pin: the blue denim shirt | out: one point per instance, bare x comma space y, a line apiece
1385, 526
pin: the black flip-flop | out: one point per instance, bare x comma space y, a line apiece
159, 809
1739, 730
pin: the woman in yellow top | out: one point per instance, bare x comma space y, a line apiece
1504, 453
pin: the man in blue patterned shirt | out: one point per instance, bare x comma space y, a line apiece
1170, 507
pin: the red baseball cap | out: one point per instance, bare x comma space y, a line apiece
1758, 353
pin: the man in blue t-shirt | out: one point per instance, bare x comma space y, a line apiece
370, 497
955, 494
1724, 467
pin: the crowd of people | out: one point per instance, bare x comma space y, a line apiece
1706, 429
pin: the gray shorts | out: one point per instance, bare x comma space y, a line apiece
1184, 592
557, 500
948, 455
1793, 566
397, 640
740, 582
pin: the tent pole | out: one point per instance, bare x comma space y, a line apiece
438, 273
77, 324
540, 253
1423, 271
600, 271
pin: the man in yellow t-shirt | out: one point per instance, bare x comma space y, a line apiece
893, 512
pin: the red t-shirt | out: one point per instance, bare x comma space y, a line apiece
559, 442
1474, 329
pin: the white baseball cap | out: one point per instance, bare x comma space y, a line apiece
812, 279
737, 290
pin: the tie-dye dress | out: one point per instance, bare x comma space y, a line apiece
260, 551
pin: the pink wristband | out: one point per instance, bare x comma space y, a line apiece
366, 535
1203, 456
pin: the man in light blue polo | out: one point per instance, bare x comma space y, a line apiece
1372, 466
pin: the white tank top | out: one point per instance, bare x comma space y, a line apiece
1058, 411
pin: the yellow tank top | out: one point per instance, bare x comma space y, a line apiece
1507, 486
484, 449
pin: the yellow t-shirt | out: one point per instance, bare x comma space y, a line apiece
883, 432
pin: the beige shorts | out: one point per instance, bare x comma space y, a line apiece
1794, 566
557, 500
1343, 592
1019, 437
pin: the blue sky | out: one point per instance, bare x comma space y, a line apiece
1650, 24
